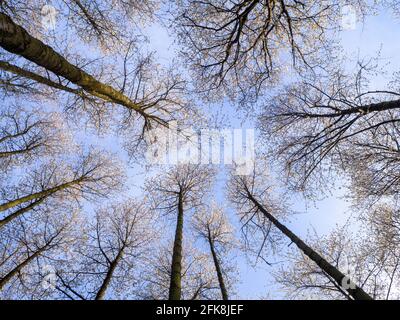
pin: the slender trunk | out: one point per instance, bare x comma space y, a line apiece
356, 292
365, 109
196, 294
18, 268
176, 265
218, 268
106, 282
373, 107
68, 287
17, 40
20, 212
41, 194
38, 78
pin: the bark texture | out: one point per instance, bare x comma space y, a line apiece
17, 40
176, 266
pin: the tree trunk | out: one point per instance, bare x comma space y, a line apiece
41, 194
106, 282
356, 292
8, 154
218, 269
17, 40
20, 212
365, 109
176, 266
38, 78
18, 268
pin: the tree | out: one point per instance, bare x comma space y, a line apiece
107, 260
198, 279
212, 225
316, 125
20, 80
373, 165
375, 267
92, 175
254, 204
151, 103
27, 134
239, 45
177, 191
107, 24
27, 244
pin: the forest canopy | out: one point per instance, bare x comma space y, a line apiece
199, 150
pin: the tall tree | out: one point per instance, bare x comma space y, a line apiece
152, 108
240, 45
27, 134
198, 277
26, 244
177, 191
212, 225
316, 124
251, 197
91, 175
105, 24
367, 257
108, 259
